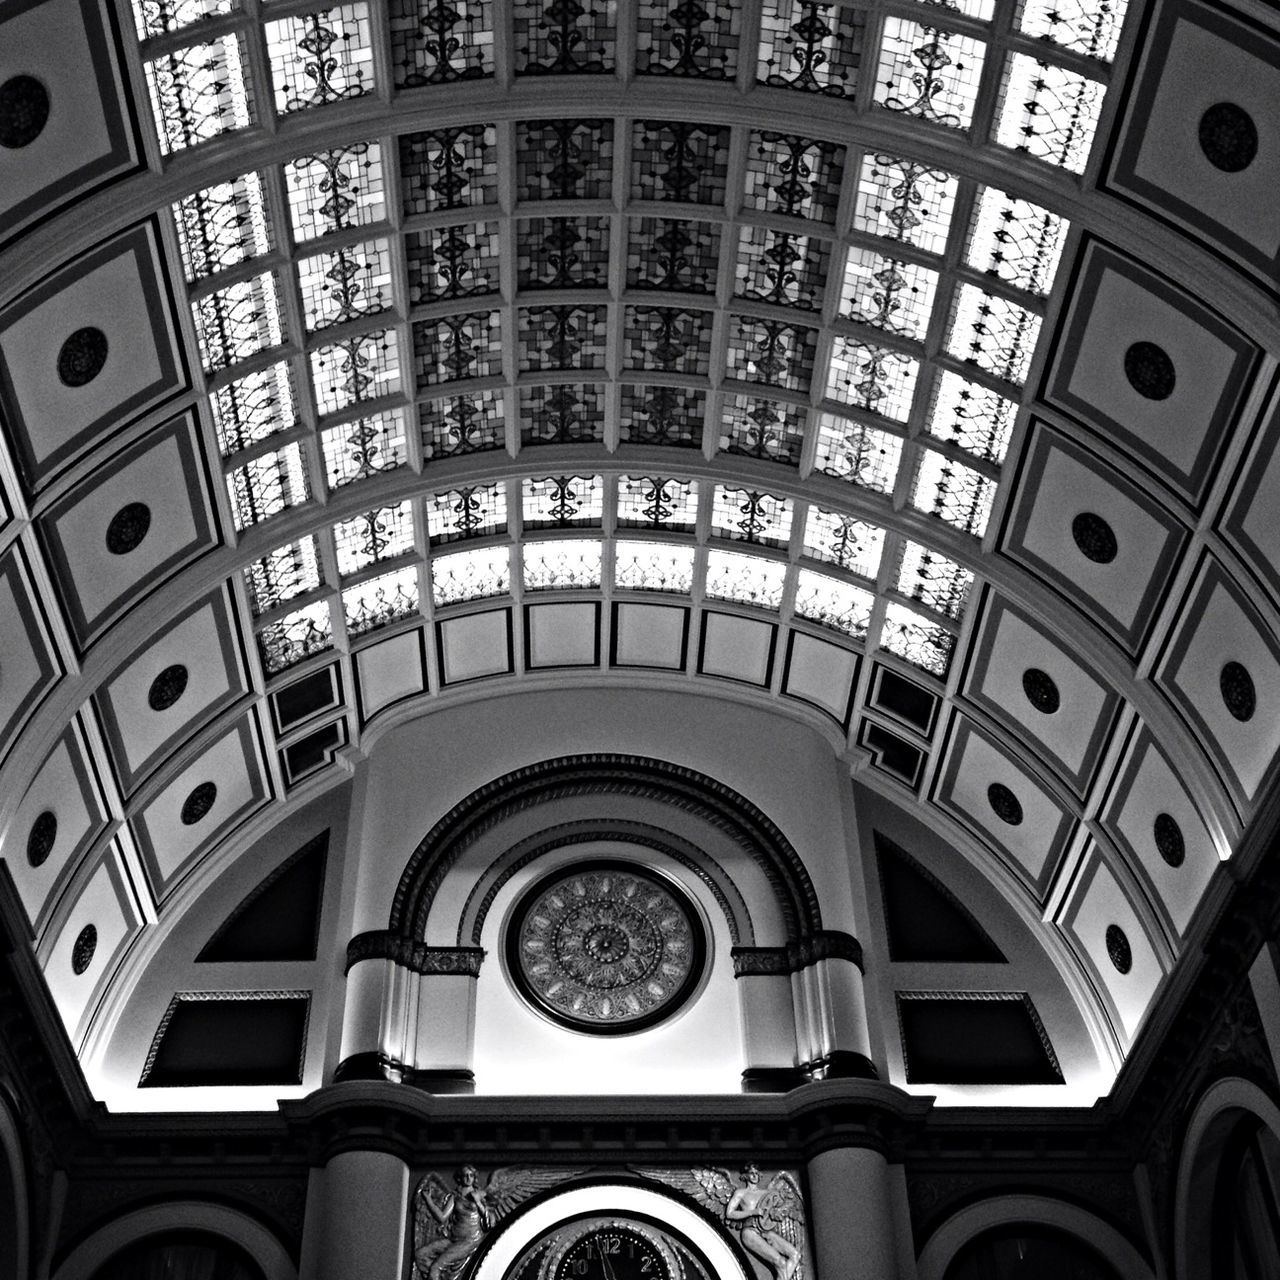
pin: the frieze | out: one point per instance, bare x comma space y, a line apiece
826, 944
412, 954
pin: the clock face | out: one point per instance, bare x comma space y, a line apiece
606, 947
611, 1250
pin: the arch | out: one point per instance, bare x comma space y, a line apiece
1044, 1211
1222, 1105
15, 1204
579, 775
610, 1198
180, 1215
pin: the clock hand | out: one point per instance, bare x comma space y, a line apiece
608, 1267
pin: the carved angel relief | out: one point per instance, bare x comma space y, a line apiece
449, 1223
769, 1221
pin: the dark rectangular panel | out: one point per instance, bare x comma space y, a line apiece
979, 1037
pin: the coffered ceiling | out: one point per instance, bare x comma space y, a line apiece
904, 370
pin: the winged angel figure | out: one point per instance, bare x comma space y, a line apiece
449, 1223
769, 1221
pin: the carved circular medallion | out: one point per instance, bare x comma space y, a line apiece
1169, 842
1041, 691
44, 831
1228, 137
1236, 685
1150, 371
1118, 949
606, 947
198, 803
1004, 804
128, 527
24, 111
167, 687
1095, 538
82, 357
82, 949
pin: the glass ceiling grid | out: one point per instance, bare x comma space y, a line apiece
808, 305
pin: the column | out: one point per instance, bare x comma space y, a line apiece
852, 1218
832, 1035
356, 1218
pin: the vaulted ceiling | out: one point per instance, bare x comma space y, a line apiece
904, 371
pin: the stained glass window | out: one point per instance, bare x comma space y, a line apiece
879, 379
1048, 112
469, 512
1016, 240
334, 190
972, 416
1091, 27
379, 601
889, 293
254, 407
996, 334
953, 492
833, 602
655, 502
928, 72
750, 515
562, 501
932, 579
917, 639
317, 58
267, 485
361, 367
345, 284
861, 454
199, 92
746, 579
470, 575
905, 200
376, 535
574, 563
653, 566
288, 640
221, 226
158, 17
282, 574
840, 539
364, 448
238, 321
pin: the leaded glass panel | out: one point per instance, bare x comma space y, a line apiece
238, 321
879, 379
361, 367
771, 352
731, 575
334, 190
889, 293
450, 168
814, 47
655, 502
749, 515
917, 639
268, 484
221, 226
853, 451
468, 512
564, 414
653, 566
935, 581
376, 602
158, 17
760, 428
199, 92
364, 448
994, 333
841, 540
562, 337
673, 339
793, 175
381, 534
462, 424
345, 284
457, 347
1048, 112
972, 416
1016, 240
672, 253
282, 574
440, 41
562, 502
833, 603
259, 405
323, 57
470, 575
453, 262
679, 160
555, 37
557, 566
905, 200
1091, 27
676, 38
929, 73
564, 159
296, 636
953, 492
780, 267
662, 415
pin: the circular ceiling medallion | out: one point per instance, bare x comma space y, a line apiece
167, 687
1004, 804
1094, 537
1238, 693
606, 947
1118, 949
82, 949
24, 111
82, 357
128, 527
1228, 137
1169, 842
1041, 691
44, 831
198, 803
1150, 371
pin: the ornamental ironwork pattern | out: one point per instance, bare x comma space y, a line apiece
606, 948
222, 226
450, 168
253, 408
695, 38
440, 41
286, 641
679, 160
199, 92
760, 428
564, 160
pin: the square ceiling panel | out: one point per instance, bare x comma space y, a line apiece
95, 346
1151, 816
1222, 670
1030, 683
649, 635
562, 635
737, 648
1250, 523
57, 820
200, 806
144, 515
1199, 140
475, 645
1094, 536
76, 132
1003, 804
390, 671
822, 674
1149, 368
1103, 923
28, 662
183, 679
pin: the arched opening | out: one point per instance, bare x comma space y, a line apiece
1025, 1251
1246, 1203
180, 1255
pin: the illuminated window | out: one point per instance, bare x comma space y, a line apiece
833, 602
842, 540
558, 565
470, 575
377, 535
746, 579
653, 566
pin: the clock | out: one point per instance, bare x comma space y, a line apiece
611, 1249
606, 947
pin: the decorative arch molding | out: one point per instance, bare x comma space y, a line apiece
1221, 1107
728, 898
1042, 1211
15, 1209
180, 1215
610, 1198
605, 774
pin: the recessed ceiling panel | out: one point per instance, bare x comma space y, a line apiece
28, 665
1200, 144
389, 671
1222, 669
562, 635
1250, 522
91, 348
1095, 536
190, 674
134, 523
1004, 805
822, 674
736, 648
72, 129
475, 645
1030, 683
1149, 367
56, 821
649, 635
200, 806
